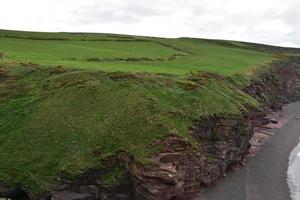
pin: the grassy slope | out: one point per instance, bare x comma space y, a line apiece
52, 124
56, 122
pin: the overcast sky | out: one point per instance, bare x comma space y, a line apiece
264, 21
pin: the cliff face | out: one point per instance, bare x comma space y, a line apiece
273, 86
224, 141
181, 171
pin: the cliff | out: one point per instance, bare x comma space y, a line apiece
179, 171
161, 166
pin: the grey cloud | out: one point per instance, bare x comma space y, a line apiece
118, 11
205, 18
264, 21
274, 25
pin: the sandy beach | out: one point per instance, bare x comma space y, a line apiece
265, 176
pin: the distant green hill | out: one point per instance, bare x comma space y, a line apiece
110, 52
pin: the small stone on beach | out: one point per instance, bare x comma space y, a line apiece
274, 121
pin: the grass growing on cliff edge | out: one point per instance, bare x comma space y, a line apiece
55, 122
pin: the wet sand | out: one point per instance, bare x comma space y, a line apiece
265, 176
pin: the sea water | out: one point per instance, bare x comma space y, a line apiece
294, 173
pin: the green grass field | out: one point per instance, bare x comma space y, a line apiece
60, 121
173, 56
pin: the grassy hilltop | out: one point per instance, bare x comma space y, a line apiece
129, 53
70, 100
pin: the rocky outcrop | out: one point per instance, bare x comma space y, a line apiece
181, 170
89, 186
15, 192
276, 85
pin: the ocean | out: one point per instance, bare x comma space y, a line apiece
294, 173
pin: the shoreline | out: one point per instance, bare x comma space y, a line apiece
293, 173
264, 177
